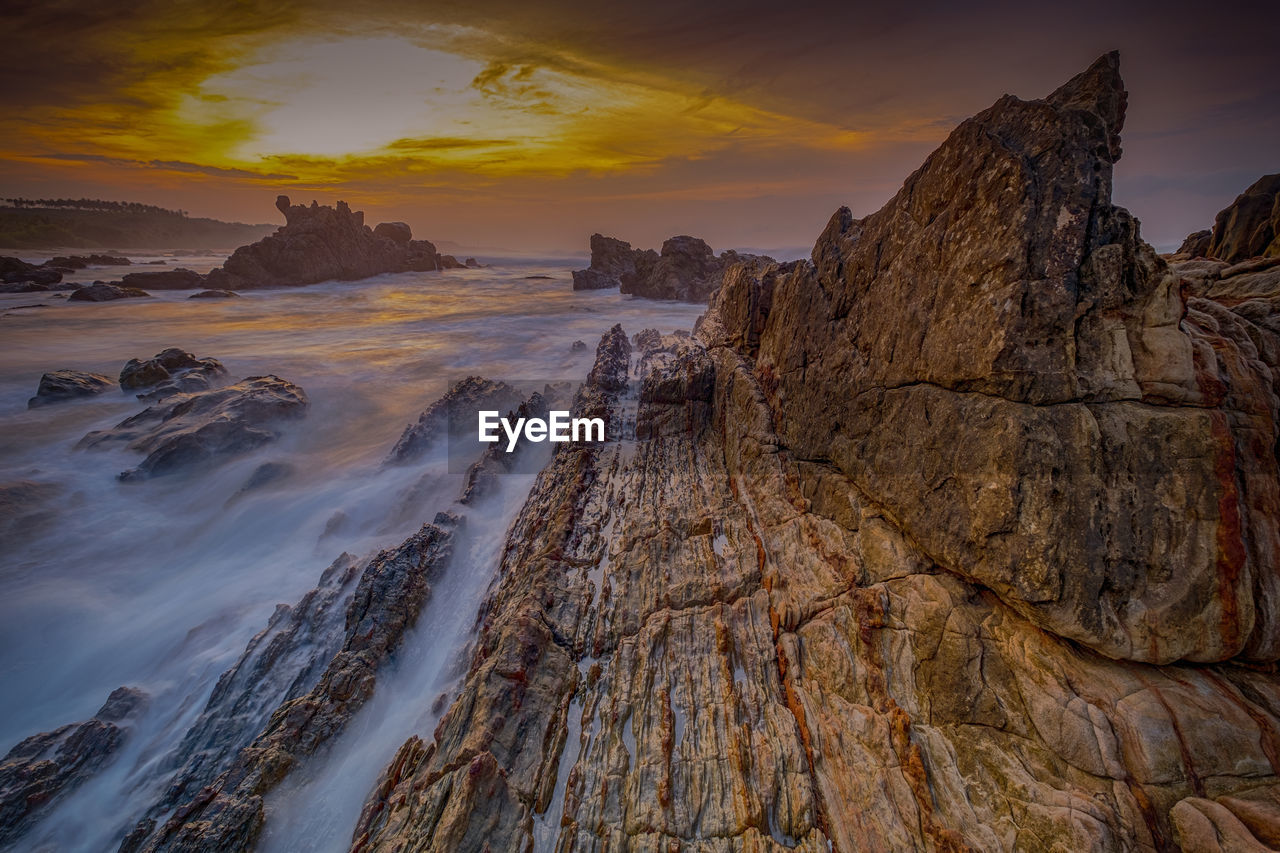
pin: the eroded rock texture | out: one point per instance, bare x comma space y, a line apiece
227, 813
44, 767
960, 537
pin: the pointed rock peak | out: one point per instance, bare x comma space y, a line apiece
1098, 90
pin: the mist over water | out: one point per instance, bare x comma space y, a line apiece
160, 584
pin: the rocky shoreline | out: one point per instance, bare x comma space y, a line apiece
962, 535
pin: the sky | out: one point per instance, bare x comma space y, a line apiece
530, 124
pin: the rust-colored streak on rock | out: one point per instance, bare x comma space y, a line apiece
1230, 533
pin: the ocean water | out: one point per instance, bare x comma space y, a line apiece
160, 584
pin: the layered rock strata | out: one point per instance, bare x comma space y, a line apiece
959, 537
43, 768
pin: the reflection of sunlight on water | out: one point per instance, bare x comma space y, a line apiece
161, 584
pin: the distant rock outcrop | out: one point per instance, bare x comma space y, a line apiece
686, 270
316, 243
322, 244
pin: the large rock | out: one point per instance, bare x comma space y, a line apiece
321, 244
997, 360
610, 260
934, 602
193, 429
227, 814
1250, 226
45, 767
68, 385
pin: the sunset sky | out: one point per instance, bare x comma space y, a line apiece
528, 125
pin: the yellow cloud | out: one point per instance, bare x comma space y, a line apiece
432, 100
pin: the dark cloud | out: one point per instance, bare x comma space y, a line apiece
169, 165
1204, 83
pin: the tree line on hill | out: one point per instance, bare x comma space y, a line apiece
92, 204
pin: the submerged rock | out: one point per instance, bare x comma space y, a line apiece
191, 429
45, 767
102, 292
63, 385
214, 294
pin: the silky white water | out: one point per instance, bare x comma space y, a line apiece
160, 584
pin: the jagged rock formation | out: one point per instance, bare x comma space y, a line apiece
960, 537
284, 661
315, 664
452, 417
68, 385
610, 260
686, 269
227, 815
322, 243
201, 427
316, 243
44, 767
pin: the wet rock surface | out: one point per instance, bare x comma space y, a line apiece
185, 430
452, 417
854, 576
60, 385
172, 371
214, 294
44, 767
227, 814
